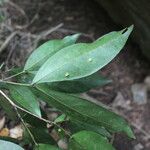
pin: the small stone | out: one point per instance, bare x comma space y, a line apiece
147, 82
139, 146
55, 135
50, 19
120, 101
51, 115
139, 92
63, 144
16, 132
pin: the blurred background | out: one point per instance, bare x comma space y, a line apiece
25, 24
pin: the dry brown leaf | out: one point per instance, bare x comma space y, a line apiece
4, 132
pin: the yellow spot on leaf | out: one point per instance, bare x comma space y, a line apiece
90, 59
66, 74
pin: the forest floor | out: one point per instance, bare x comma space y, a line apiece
30, 22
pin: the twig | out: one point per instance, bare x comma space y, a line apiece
141, 130
24, 124
22, 109
73, 31
22, 72
1, 66
27, 25
49, 31
20, 10
112, 138
15, 83
45, 33
19, 116
4, 45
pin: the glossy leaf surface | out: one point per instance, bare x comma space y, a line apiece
7, 107
81, 60
24, 97
45, 51
74, 86
85, 111
79, 85
41, 135
87, 140
77, 125
5, 145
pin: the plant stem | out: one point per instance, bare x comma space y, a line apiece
15, 83
17, 74
22, 109
18, 114
24, 124
1, 66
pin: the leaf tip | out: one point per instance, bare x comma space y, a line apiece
72, 38
127, 31
130, 28
129, 132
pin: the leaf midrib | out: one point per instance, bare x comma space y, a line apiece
32, 108
34, 64
77, 111
72, 60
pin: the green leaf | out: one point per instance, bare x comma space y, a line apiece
14, 71
81, 60
40, 135
45, 51
7, 107
79, 85
73, 86
5, 145
25, 98
85, 111
46, 147
77, 125
3, 85
35, 122
9, 139
61, 118
87, 140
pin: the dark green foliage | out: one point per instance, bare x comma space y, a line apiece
52, 73
89, 141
